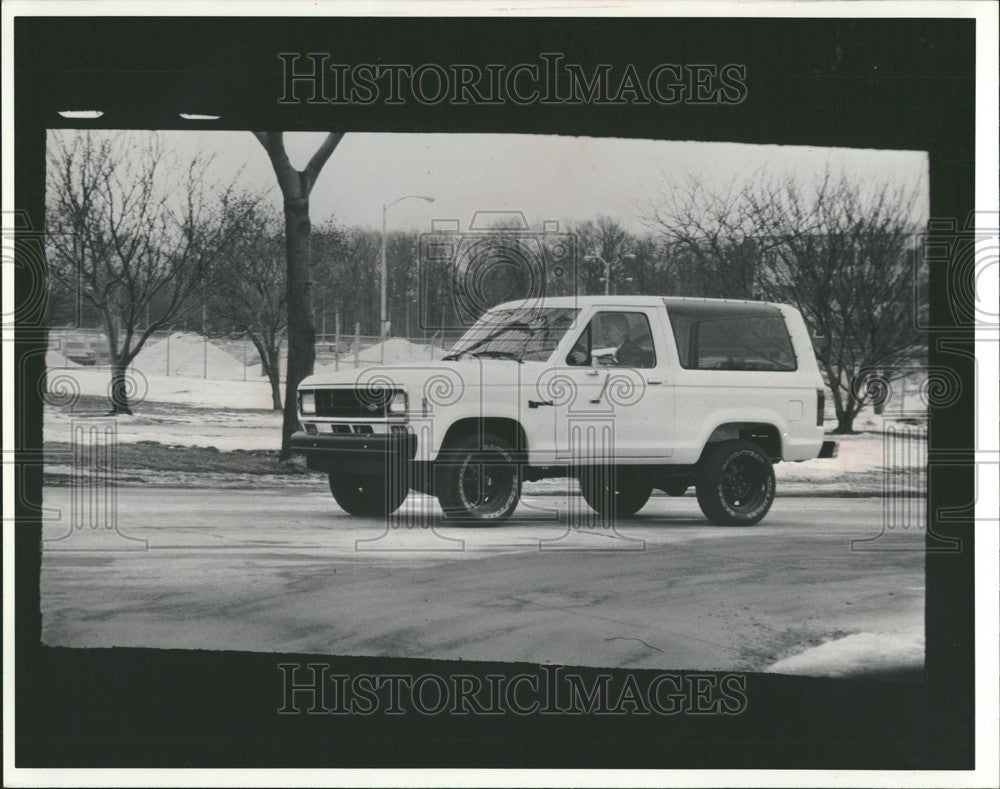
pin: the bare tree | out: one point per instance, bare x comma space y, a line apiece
722, 233
296, 186
604, 237
838, 252
844, 260
134, 232
346, 263
248, 288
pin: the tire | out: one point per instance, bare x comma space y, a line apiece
626, 496
735, 483
366, 494
479, 482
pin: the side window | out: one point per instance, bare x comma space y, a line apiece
579, 355
615, 339
751, 341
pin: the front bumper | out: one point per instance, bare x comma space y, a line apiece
368, 453
828, 450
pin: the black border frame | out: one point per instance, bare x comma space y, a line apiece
873, 83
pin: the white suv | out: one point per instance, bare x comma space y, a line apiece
626, 393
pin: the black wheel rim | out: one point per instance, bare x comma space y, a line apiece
744, 483
485, 483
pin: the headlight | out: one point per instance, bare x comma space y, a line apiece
398, 403
307, 402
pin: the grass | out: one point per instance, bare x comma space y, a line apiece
153, 456
94, 404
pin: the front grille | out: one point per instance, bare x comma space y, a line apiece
353, 403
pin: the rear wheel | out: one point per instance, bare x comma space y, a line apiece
366, 494
614, 492
735, 483
479, 479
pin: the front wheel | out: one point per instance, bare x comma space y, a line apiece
613, 492
366, 494
735, 484
479, 480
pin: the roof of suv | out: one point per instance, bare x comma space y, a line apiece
620, 301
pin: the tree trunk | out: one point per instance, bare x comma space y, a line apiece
846, 414
301, 335
295, 188
270, 364
119, 389
845, 424
274, 376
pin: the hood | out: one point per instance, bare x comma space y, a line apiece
460, 373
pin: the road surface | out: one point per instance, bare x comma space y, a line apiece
290, 572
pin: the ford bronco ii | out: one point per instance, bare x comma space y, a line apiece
628, 394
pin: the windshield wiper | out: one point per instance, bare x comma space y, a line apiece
489, 353
452, 357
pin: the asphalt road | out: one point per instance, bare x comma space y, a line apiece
290, 572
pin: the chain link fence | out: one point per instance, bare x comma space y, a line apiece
234, 357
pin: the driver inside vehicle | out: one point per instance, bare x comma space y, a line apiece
614, 334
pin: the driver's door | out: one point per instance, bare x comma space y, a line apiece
616, 408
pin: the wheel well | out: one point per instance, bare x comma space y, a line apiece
764, 435
510, 429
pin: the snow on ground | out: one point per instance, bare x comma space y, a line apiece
858, 653
197, 392
863, 453
395, 350
225, 430
188, 355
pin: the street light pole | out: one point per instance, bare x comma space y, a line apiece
384, 268
607, 268
382, 280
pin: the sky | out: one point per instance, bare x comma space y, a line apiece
544, 176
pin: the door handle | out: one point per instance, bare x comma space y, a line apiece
595, 400
592, 373
653, 381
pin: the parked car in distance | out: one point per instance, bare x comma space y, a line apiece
625, 393
79, 351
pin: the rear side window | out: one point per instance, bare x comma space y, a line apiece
726, 337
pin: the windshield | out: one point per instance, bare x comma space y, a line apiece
520, 333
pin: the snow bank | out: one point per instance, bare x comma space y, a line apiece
189, 355
396, 350
860, 653
859, 454
393, 351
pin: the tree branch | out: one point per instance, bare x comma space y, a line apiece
311, 173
